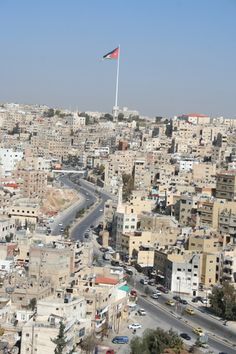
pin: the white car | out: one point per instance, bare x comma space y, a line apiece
142, 312
135, 326
158, 293
155, 296
101, 210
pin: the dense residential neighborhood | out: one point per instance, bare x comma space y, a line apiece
113, 223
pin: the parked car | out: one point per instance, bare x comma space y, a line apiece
151, 282
170, 303
133, 292
155, 296
177, 298
185, 336
142, 312
158, 292
143, 281
135, 326
120, 340
183, 301
163, 289
204, 301
129, 271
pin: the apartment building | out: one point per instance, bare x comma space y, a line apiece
37, 333
182, 273
227, 223
24, 211
226, 185
33, 183
53, 262
209, 212
204, 171
7, 228
9, 159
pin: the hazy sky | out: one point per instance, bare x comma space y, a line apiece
177, 56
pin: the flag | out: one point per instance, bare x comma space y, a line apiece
114, 54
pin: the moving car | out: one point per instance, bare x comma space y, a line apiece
189, 311
142, 312
185, 336
170, 303
135, 326
198, 331
155, 296
120, 340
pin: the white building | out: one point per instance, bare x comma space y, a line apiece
37, 334
7, 227
182, 273
186, 165
8, 160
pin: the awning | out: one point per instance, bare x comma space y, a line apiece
125, 288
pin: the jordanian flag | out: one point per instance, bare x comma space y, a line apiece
114, 54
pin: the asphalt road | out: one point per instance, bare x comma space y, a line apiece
90, 194
165, 316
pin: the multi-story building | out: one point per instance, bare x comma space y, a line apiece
182, 273
226, 185
34, 183
9, 159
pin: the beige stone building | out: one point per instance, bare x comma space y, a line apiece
24, 211
33, 183
209, 212
226, 185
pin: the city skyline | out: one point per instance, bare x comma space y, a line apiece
176, 57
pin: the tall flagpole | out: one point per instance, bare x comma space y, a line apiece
116, 108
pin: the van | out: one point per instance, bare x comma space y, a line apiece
120, 340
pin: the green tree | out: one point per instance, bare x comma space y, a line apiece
49, 113
32, 304
223, 301
128, 185
120, 117
60, 340
88, 344
155, 341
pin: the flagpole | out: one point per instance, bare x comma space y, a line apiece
115, 110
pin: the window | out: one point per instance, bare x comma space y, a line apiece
27, 334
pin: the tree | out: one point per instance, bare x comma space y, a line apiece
155, 341
32, 303
128, 185
49, 113
120, 117
88, 344
223, 301
60, 340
